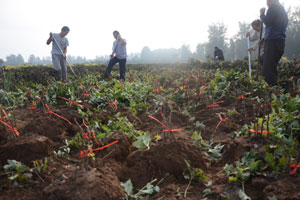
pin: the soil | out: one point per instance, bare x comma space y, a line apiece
74, 178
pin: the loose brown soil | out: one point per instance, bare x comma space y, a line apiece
75, 178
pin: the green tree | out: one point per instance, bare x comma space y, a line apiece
1, 62
184, 53
216, 37
146, 54
200, 51
239, 45
292, 47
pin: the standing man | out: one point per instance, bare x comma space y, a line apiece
255, 37
276, 21
118, 55
59, 52
218, 54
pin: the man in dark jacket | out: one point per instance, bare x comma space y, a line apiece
276, 21
218, 54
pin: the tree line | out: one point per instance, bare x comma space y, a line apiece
234, 48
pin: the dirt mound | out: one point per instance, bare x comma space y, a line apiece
162, 160
283, 188
25, 149
234, 150
180, 119
286, 188
120, 150
81, 185
51, 128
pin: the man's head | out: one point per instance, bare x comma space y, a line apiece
64, 31
256, 25
269, 2
116, 34
216, 48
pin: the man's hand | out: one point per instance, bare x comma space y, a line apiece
250, 50
50, 39
65, 56
262, 11
261, 42
119, 36
111, 56
248, 34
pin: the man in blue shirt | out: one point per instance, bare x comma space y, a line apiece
276, 21
118, 55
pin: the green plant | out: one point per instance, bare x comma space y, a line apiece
248, 166
147, 191
40, 165
142, 141
213, 152
207, 192
63, 151
193, 174
18, 174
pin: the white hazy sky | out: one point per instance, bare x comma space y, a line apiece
25, 24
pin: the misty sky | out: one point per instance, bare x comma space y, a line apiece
25, 24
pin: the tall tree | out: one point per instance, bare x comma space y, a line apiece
184, 53
216, 37
292, 48
20, 60
239, 45
31, 59
200, 51
11, 59
1, 62
146, 54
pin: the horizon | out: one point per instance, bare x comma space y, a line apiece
156, 24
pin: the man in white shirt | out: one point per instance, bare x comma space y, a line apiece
59, 52
118, 55
255, 37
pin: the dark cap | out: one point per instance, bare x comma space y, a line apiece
65, 29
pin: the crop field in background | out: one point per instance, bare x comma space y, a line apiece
183, 131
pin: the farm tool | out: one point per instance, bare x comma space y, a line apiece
259, 48
249, 56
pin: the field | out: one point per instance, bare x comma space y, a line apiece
187, 131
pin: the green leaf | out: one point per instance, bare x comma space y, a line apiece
200, 125
143, 141
269, 159
283, 161
196, 136
207, 192
233, 179
128, 187
243, 196
228, 169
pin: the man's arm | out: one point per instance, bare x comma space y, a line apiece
50, 39
269, 18
122, 40
254, 37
